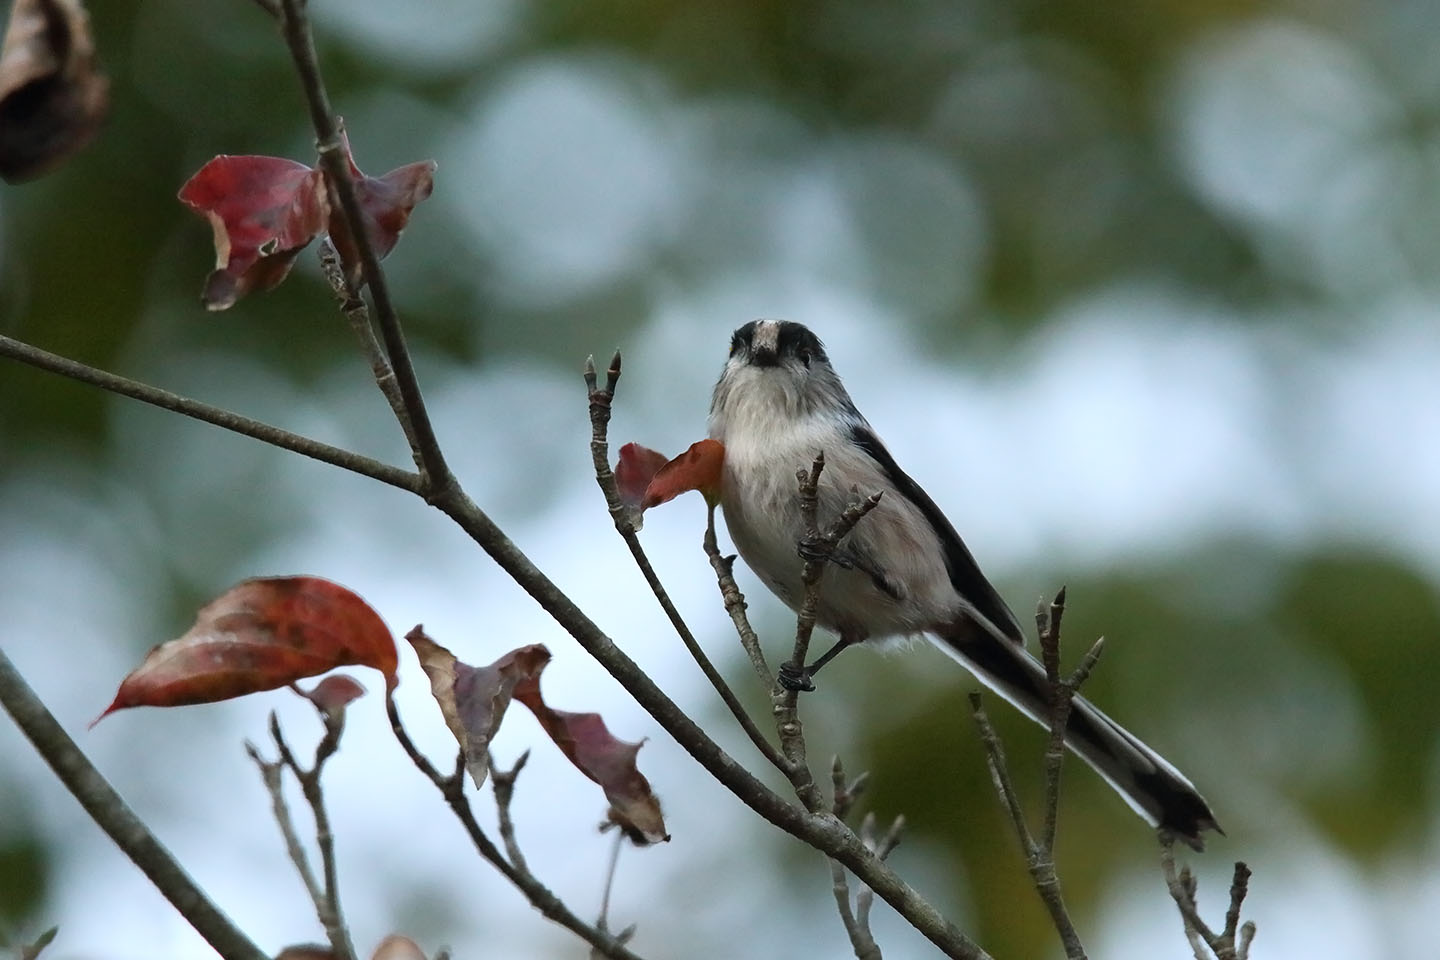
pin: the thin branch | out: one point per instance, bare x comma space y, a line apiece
857, 920
295, 24
112, 814
225, 419
503, 783
1040, 860
271, 775
1233, 942
452, 788
883, 848
601, 399
327, 900
352, 305
734, 600
602, 922
817, 548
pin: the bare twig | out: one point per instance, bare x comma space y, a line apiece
734, 600
352, 305
503, 783
452, 788
602, 923
112, 814
817, 548
271, 775
225, 419
326, 898
855, 920
1040, 854
601, 399
295, 25
1233, 942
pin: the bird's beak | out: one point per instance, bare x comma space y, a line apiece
765, 344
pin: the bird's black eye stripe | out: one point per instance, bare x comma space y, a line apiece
742, 338
797, 340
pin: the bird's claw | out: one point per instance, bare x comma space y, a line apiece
795, 678
814, 549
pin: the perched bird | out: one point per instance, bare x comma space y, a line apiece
903, 570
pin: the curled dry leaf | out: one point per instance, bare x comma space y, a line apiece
473, 699
265, 210
634, 471
609, 761
699, 468
260, 635
52, 97
385, 205
334, 693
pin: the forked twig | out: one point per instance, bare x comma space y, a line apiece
1040, 854
326, 898
452, 788
601, 400
1232, 942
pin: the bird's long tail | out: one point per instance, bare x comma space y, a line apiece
1145, 780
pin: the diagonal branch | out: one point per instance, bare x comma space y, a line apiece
452, 788
225, 419
295, 25
352, 305
116, 818
601, 399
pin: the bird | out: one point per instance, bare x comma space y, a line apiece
902, 571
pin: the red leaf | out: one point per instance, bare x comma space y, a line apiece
264, 211
473, 699
259, 635
385, 206
584, 738
53, 98
333, 694
633, 472
699, 468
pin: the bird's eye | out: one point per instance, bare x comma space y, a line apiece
804, 354
735, 344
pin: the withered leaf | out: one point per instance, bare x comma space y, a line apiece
260, 635
473, 699
53, 97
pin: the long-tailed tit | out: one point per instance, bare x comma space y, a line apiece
903, 570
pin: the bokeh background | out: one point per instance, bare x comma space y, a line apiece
1144, 294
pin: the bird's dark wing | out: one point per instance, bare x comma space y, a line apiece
965, 573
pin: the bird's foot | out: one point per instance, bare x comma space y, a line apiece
795, 678
814, 549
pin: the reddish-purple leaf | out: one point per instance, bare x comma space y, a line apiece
610, 762
385, 206
473, 699
260, 635
699, 468
264, 211
53, 98
633, 472
334, 693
